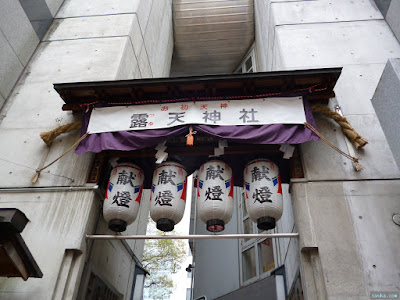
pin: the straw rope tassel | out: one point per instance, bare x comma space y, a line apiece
36, 176
354, 159
49, 136
357, 140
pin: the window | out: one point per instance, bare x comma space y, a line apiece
297, 290
248, 65
98, 290
257, 255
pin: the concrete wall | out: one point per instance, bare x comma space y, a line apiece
342, 215
22, 26
286, 250
216, 270
387, 105
391, 11
115, 260
259, 290
88, 41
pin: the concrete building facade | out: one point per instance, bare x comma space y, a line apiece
88, 41
347, 247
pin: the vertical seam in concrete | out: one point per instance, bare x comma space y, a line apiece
169, 60
290, 240
12, 50
272, 39
356, 240
144, 41
313, 238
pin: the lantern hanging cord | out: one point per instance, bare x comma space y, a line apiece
357, 140
36, 177
354, 159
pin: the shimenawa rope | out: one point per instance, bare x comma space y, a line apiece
36, 177
354, 159
49, 136
357, 140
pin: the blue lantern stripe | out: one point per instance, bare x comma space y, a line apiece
179, 187
247, 186
275, 180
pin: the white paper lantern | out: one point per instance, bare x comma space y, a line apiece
263, 193
215, 194
123, 195
168, 195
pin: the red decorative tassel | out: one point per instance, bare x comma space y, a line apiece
189, 137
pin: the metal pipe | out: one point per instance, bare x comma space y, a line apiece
187, 237
48, 189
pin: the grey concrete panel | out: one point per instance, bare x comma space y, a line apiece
393, 18
56, 222
90, 27
144, 64
112, 261
356, 86
376, 156
336, 44
71, 170
285, 223
292, 262
54, 6
387, 105
220, 275
136, 35
137, 74
143, 13
2, 100
260, 290
43, 102
383, 5
288, 248
323, 11
10, 67
157, 35
77, 8
262, 33
38, 14
168, 58
372, 205
302, 215
323, 163
20, 156
47, 213
23, 152
18, 30
337, 247
82, 60
128, 63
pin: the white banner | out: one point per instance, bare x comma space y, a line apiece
222, 112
